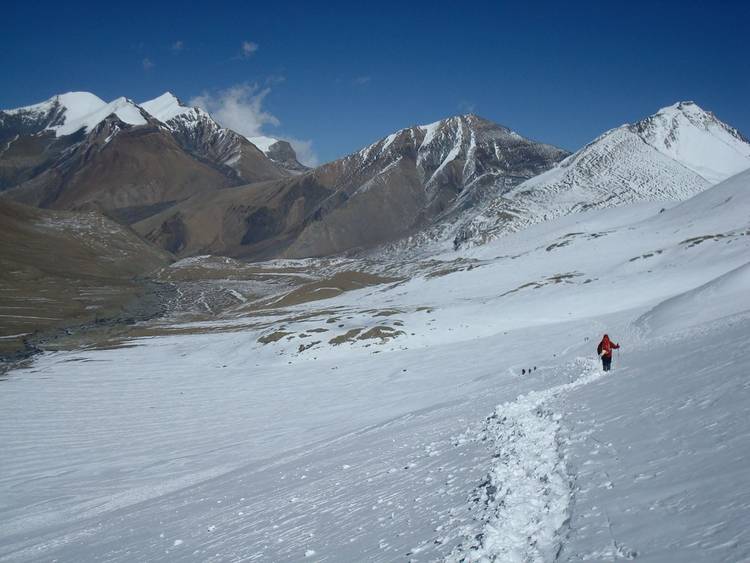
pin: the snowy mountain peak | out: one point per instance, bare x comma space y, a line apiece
696, 139
166, 107
75, 104
67, 113
686, 106
671, 155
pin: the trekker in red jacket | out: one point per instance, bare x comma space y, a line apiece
605, 351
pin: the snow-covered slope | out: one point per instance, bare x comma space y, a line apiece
451, 416
166, 107
263, 143
67, 113
672, 155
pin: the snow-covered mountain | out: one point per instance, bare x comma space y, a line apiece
394, 187
417, 177
76, 151
36, 138
200, 133
458, 158
68, 113
671, 155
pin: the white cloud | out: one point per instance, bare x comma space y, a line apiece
147, 64
362, 80
240, 108
177, 46
249, 48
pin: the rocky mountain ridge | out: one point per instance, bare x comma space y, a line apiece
670, 156
390, 189
76, 151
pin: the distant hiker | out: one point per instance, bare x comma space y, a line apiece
605, 351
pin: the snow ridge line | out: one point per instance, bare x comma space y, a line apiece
523, 503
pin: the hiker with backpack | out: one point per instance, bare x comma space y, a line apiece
605, 351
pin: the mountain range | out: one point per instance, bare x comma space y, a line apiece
191, 186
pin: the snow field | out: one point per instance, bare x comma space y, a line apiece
658, 451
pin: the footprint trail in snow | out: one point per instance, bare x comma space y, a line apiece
522, 506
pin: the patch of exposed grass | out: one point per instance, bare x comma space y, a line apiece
273, 337
348, 336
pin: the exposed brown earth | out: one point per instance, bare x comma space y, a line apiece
330, 287
133, 174
24, 157
380, 194
59, 269
256, 221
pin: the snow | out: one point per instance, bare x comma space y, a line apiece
85, 110
721, 297
527, 495
695, 139
659, 450
428, 446
263, 143
123, 108
430, 131
76, 104
454, 151
165, 107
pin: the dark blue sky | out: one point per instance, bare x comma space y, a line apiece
344, 74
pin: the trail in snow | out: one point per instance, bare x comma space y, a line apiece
524, 502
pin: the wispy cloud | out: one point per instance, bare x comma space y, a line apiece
465, 106
240, 108
362, 80
275, 79
249, 48
177, 46
147, 63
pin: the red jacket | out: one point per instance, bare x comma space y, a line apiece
605, 347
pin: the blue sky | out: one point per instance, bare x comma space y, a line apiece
339, 75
